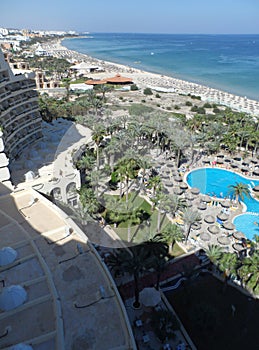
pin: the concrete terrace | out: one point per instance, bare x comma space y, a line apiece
72, 302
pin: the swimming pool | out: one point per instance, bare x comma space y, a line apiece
215, 181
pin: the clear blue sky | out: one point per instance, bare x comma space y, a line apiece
142, 16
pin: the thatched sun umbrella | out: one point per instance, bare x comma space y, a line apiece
202, 206
178, 178
214, 229
225, 204
195, 190
238, 247
196, 226
256, 188
206, 198
227, 160
206, 160
178, 191
220, 161
220, 155
234, 165
209, 219
183, 186
222, 216
229, 226
205, 236
189, 196
224, 240
256, 171
239, 235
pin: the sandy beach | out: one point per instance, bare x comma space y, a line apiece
155, 81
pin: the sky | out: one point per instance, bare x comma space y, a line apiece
133, 16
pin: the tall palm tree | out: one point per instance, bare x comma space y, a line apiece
170, 234
126, 168
249, 272
190, 217
97, 136
88, 200
214, 253
131, 260
157, 256
228, 264
239, 190
176, 203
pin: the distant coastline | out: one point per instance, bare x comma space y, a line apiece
224, 62
156, 81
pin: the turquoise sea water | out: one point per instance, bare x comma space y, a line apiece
226, 62
214, 181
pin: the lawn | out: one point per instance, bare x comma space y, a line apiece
145, 229
216, 318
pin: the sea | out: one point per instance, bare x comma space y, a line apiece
226, 62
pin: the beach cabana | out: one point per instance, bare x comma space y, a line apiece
118, 79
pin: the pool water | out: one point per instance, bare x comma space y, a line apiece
216, 182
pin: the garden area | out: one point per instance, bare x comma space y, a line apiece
216, 315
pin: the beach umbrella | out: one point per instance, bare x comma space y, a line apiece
256, 188
238, 247
206, 160
209, 219
225, 204
229, 226
234, 165
214, 229
150, 297
227, 160
7, 256
220, 155
245, 162
195, 190
239, 235
237, 158
222, 216
196, 226
178, 191
223, 240
202, 206
169, 183
178, 178
220, 161
206, 198
256, 171
244, 168
12, 297
170, 165
189, 196
21, 346
254, 160
205, 236
184, 186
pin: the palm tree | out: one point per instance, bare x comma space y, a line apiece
88, 200
228, 264
126, 168
154, 183
97, 137
190, 217
176, 203
170, 234
249, 272
162, 203
239, 190
131, 260
214, 253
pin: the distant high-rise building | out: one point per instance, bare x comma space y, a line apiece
20, 120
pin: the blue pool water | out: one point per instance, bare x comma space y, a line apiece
215, 181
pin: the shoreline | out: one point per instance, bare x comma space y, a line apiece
156, 81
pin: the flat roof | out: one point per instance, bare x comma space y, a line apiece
72, 303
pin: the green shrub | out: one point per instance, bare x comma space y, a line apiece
207, 105
169, 108
188, 103
158, 96
143, 101
158, 105
216, 110
147, 91
177, 107
133, 87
